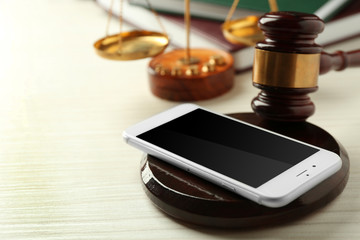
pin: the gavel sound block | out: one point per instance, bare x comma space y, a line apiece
286, 68
287, 64
192, 200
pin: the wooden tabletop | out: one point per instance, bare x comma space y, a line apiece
66, 173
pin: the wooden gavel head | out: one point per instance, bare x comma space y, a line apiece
288, 57
287, 65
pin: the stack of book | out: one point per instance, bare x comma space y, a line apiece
342, 18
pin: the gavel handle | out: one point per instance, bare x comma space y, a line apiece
339, 60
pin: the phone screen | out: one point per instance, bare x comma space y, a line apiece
244, 153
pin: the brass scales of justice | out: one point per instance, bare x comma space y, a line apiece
282, 106
179, 75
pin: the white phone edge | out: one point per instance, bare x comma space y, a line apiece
274, 193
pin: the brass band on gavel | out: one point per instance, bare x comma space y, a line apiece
288, 70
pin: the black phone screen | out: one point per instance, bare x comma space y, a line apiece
244, 153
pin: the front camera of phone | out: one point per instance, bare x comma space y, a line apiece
307, 175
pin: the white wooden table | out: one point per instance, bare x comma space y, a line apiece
65, 172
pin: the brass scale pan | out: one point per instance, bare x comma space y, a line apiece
131, 45
244, 30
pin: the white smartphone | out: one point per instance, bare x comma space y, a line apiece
263, 166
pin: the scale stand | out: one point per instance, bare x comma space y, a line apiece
191, 74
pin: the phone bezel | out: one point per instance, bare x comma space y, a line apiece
276, 192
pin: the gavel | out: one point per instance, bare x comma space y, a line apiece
287, 65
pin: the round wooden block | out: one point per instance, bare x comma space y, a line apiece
193, 200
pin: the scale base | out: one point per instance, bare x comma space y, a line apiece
188, 198
206, 74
